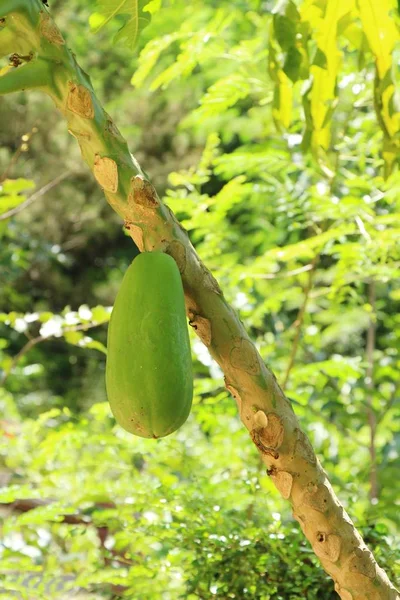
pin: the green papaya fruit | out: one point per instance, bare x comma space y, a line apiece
149, 377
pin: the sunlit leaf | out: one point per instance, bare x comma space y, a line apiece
382, 35
134, 13
326, 65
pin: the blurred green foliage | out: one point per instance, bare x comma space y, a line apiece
195, 515
190, 516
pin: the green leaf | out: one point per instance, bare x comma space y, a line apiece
45, 316
10, 193
134, 13
9, 202
150, 55
43, 514
201, 173
293, 64
224, 93
380, 30
382, 35
251, 160
285, 31
340, 367
101, 314
320, 59
153, 6
16, 186
195, 49
73, 337
88, 342
325, 67
309, 247
17, 492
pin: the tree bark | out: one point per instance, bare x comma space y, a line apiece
27, 30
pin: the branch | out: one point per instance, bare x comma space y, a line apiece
23, 147
28, 504
392, 399
30, 344
110, 555
37, 340
338, 426
334, 385
373, 475
279, 275
299, 321
43, 190
264, 410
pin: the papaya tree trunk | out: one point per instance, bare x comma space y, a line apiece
41, 60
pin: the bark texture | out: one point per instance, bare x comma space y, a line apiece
42, 60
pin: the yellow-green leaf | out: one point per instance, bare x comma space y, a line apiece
324, 71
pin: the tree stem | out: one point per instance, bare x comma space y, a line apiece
372, 420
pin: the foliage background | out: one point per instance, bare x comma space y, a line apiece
268, 146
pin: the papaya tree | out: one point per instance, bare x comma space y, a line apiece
303, 46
